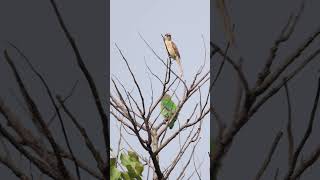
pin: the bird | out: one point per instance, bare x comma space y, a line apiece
173, 51
168, 109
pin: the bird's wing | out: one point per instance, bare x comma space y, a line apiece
168, 104
175, 48
167, 44
178, 59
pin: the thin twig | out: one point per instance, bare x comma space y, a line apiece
269, 156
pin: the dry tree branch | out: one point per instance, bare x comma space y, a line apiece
250, 104
194, 138
84, 134
129, 96
220, 124
239, 93
42, 79
220, 67
195, 168
289, 126
283, 37
69, 95
37, 118
88, 77
234, 65
55, 107
288, 61
28, 139
121, 119
154, 145
269, 156
32, 147
130, 118
93, 172
13, 167
189, 160
134, 79
266, 87
186, 125
153, 74
39, 163
195, 171
307, 163
145, 145
276, 88
306, 136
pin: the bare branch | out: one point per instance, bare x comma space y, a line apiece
306, 135
55, 107
307, 163
269, 156
288, 61
235, 67
134, 79
283, 37
41, 165
13, 167
275, 89
88, 76
37, 118
84, 134
289, 127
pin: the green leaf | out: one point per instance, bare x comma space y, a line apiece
115, 174
131, 171
132, 164
112, 162
133, 156
136, 163
125, 176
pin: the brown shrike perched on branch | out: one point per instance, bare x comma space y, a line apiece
173, 51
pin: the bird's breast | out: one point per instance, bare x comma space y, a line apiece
170, 49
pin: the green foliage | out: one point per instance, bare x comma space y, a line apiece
115, 174
131, 162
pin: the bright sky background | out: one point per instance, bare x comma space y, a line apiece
187, 21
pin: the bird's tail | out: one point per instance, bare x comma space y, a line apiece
180, 67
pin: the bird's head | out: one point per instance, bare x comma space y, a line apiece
167, 37
166, 96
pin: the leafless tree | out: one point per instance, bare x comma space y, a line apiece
39, 145
143, 120
251, 98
